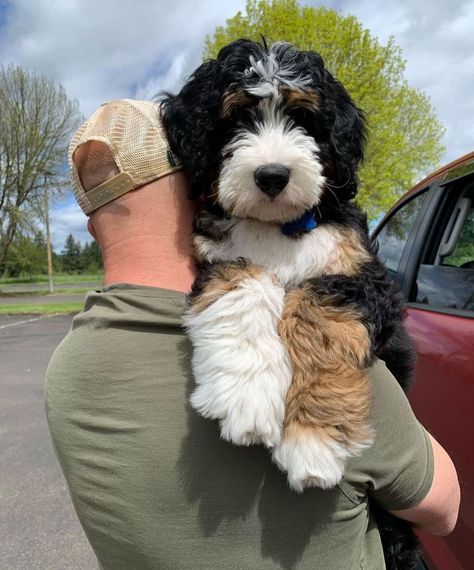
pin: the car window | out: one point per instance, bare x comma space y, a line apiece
393, 236
448, 282
463, 253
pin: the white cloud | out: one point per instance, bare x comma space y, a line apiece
101, 50
438, 44
110, 49
170, 80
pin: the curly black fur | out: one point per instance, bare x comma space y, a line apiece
198, 131
399, 542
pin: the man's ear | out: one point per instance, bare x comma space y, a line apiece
91, 229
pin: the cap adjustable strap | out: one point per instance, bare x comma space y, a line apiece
110, 189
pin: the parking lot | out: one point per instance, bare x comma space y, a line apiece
39, 526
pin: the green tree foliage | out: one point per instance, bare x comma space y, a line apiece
26, 256
91, 257
71, 256
464, 250
78, 259
404, 132
36, 121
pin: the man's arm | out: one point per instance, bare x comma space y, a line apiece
438, 511
407, 472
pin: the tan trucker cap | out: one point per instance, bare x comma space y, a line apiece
134, 140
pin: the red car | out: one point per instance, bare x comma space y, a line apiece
427, 242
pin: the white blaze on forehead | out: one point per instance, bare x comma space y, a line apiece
272, 114
273, 71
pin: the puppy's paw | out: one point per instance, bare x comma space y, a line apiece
312, 461
248, 402
260, 423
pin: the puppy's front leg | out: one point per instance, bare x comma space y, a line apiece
211, 237
240, 363
328, 402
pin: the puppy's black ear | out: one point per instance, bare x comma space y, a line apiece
347, 138
190, 119
342, 147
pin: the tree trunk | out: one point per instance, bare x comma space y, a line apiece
6, 243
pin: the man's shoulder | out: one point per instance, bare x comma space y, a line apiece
386, 391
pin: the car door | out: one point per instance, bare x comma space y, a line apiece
427, 243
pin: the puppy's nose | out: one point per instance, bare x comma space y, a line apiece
272, 178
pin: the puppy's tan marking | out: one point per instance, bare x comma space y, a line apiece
235, 98
350, 254
329, 395
294, 98
226, 278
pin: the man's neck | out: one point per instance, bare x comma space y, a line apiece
146, 236
156, 265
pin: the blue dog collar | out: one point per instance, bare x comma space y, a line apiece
305, 223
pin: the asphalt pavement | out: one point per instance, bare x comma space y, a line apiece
39, 529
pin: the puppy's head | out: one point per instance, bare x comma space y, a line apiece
266, 133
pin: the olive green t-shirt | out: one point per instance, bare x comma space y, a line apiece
156, 488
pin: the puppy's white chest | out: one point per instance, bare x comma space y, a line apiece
291, 259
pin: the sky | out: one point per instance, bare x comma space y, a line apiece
108, 49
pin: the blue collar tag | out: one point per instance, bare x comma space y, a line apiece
306, 223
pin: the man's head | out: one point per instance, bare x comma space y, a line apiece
126, 180
121, 147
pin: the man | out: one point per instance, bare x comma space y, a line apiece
151, 481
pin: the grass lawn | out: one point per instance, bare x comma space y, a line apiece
43, 292
39, 309
59, 278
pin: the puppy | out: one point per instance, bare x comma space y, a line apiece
291, 302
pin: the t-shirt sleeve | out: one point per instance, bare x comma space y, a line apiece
398, 467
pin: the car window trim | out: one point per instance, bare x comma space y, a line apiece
443, 310
414, 248
398, 276
410, 259
399, 206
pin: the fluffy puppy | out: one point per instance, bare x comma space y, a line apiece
291, 303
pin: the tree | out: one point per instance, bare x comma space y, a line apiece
71, 255
404, 133
36, 121
92, 257
26, 256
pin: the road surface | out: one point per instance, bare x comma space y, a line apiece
40, 530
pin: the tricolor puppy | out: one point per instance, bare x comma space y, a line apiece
291, 303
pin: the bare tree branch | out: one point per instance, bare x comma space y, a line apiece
36, 123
